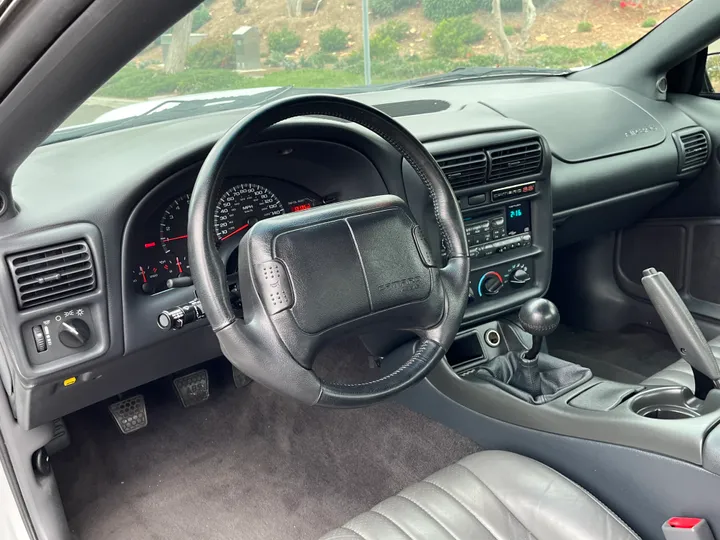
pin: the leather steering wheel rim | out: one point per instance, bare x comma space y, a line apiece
246, 341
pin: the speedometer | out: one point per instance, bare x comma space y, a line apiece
242, 206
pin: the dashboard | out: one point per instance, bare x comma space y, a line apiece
159, 253
535, 164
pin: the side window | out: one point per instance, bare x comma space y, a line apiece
712, 67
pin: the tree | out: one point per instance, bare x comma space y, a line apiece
179, 45
507, 47
530, 14
294, 7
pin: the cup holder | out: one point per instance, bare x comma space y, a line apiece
668, 403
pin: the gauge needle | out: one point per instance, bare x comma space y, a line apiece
177, 262
142, 273
240, 228
176, 238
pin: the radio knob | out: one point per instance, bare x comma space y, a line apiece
490, 284
519, 277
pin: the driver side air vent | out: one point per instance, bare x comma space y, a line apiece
515, 160
464, 170
52, 273
693, 147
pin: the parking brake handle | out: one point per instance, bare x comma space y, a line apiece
681, 326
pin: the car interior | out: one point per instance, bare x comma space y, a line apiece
485, 309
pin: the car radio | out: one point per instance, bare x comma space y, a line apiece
504, 229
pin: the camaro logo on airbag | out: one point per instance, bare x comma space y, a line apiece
404, 285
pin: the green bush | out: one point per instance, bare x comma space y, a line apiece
509, 30
385, 8
649, 23
452, 36
212, 54
333, 40
239, 5
584, 27
438, 10
201, 15
394, 29
283, 41
319, 60
382, 47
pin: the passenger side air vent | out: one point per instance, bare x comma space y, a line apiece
515, 160
693, 147
51, 273
464, 170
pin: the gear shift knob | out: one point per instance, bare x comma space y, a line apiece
539, 317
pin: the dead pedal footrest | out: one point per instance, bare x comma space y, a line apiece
192, 388
130, 414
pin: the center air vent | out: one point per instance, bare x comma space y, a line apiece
516, 160
464, 170
693, 148
51, 273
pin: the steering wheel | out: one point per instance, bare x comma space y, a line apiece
342, 269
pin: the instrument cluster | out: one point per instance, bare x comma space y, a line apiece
160, 252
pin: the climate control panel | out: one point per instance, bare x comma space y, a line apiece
500, 281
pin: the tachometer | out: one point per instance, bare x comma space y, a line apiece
242, 206
174, 226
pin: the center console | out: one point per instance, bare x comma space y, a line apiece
502, 184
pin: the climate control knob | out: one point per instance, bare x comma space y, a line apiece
519, 277
490, 284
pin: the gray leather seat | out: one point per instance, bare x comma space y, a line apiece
489, 495
680, 373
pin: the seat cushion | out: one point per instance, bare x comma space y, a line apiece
489, 495
680, 373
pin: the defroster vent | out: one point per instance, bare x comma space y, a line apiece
516, 160
52, 273
464, 170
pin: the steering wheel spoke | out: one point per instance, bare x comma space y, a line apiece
312, 277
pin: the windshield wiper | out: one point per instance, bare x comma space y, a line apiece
469, 74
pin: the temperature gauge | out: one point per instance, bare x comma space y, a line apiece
147, 279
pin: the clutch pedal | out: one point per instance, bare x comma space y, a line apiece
192, 388
130, 414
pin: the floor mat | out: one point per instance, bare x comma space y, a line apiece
629, 356
246, 464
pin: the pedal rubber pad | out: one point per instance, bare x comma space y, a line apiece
240, 379
193, 388
130, 414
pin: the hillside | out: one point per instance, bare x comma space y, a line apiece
613, 23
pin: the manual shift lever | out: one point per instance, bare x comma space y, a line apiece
533, 376
539, 318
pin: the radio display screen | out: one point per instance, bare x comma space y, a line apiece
518, 218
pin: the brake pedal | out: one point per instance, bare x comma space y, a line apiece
130, 414
240, 379
193, 388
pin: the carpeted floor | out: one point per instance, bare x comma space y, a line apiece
629, 356
247, 464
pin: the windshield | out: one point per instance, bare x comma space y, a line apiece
238, 53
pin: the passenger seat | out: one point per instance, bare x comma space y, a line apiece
680, 373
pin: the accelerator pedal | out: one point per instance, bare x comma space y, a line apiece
130, 414
192, 388
240, 379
